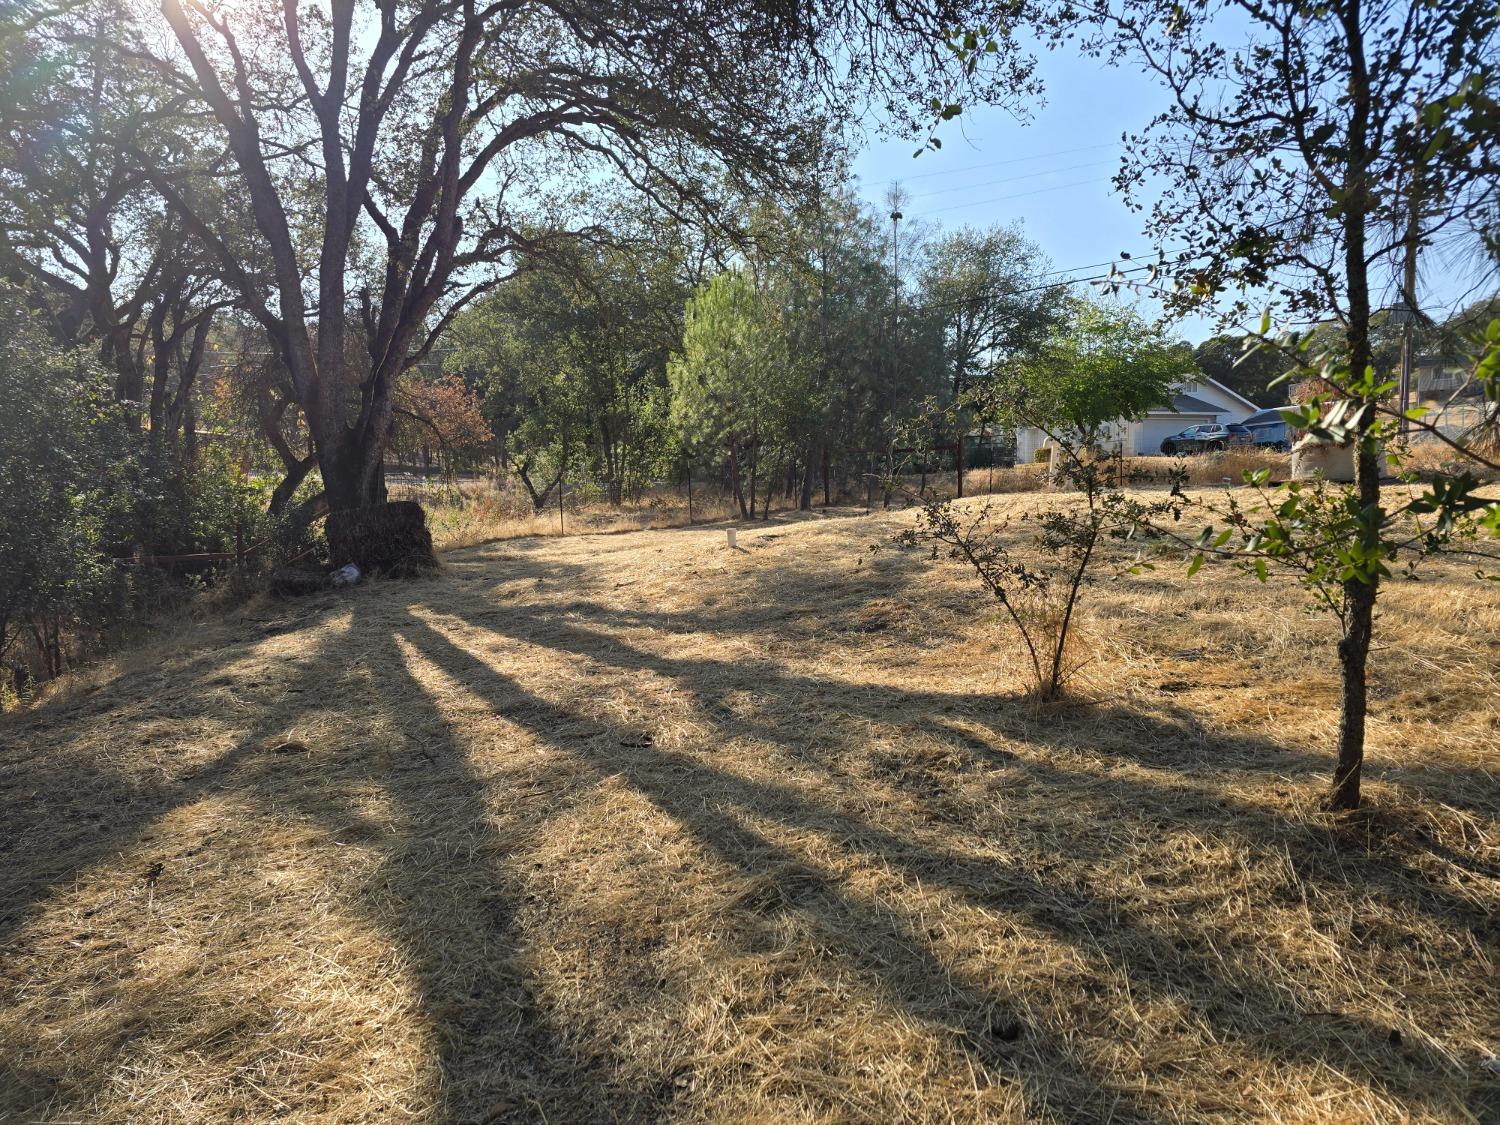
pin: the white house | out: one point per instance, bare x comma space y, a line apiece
1196, 400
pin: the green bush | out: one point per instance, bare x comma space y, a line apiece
60, 452
89, 498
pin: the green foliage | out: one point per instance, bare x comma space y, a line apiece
742, 380
737, 377
1102, 364
58, 458
1338, 543
571, 358
88, 492
1242, 366
986, 287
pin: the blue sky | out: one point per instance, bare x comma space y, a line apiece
1050, 172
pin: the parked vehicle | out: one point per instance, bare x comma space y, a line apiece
1212, 438
1269, 429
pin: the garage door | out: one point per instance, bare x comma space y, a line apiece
1150, 432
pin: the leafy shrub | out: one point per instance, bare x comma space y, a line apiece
58, 461
90, 500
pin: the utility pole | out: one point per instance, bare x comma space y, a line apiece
1408, 321
896, 259
1409, 296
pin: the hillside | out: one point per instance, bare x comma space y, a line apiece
635, 827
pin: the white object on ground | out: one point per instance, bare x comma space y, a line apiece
346, 576
731, 535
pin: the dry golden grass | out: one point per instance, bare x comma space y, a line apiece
636, 827
474, 512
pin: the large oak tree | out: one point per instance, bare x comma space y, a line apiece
396, 157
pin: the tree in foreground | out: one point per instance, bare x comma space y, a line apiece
1309, 153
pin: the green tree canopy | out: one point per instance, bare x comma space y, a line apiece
1250, 372
743, 379
1103, 364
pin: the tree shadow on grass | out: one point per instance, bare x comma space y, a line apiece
1159, 738
899, 961
1259, 1013
68, 808
441, 891
448, 849
446, 894
1233, 1002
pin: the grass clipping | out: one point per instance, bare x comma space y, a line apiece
641, 828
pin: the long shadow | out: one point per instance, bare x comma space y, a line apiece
107, 809
501, 1053
44, 785
446, 894
441, 891
891, 573
909, 973
1089, 920
1116, 732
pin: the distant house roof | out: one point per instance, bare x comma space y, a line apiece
1228, 391
1189, 404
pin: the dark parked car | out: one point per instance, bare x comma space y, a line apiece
1269, 428
1208, 439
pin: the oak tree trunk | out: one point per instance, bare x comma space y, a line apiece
362, 528
389, 539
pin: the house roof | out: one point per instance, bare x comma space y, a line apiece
1227, 390
1189, 404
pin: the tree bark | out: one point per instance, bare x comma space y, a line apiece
1359, 595
754, 478
387, 539
1354, 651
734, 480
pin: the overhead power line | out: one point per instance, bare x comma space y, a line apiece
989, 291
1017, 195
1011, 179
998, 163
1177, 145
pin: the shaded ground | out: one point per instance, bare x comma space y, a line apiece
638, 828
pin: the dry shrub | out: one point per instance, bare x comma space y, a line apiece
1043, 611
1428, 457
1205, 470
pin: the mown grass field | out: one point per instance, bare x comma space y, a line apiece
634, 827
